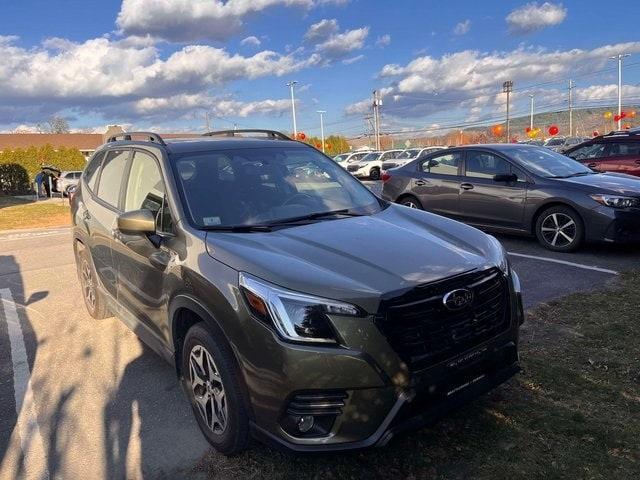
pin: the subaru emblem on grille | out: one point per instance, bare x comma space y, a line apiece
458, 299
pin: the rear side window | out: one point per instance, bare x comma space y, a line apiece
445, 164
111, 176
595, 150
91, 172
624, 148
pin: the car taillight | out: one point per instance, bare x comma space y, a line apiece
385, 176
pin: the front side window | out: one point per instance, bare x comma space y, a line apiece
257, 186
624, 148
595, 150
113, 169
371, 157
446, 164
485, 165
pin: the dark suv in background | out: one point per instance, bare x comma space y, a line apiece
617, 152
295, 305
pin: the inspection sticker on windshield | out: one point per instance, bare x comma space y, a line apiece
209, 221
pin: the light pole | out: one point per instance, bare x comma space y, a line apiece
619, 57
291, 85
531, 119
507, 87
322, 112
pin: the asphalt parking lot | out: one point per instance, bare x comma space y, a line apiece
83, 398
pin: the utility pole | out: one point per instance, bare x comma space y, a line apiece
531, 119
619, 57
291, 85
571, 86
507, 87
206, 117
376, 117
322, 112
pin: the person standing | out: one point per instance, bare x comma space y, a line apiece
39, 179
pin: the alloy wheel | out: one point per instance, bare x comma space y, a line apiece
88, 286
559, 230
207, 388
410, 204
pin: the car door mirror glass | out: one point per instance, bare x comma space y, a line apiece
137, 222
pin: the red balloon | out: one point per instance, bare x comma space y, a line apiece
623, 115
318, 146
301, 136
497, 130
617, 118
528, 129
553, 130
595, 133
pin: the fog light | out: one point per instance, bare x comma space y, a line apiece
305, 423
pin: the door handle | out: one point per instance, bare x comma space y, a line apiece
159, 259
420, 183
592, 165
466, 186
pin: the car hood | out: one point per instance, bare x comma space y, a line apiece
612, 183
358, 259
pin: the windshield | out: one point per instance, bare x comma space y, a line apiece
547, 163
553, 142
371, 157
254, 186
341, 158
409, 153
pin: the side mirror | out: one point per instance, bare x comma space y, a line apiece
138, 221
505, 177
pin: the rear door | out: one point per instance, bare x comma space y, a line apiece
436, 183
622, 157
484, 201
142, 260
590, 155
102, 207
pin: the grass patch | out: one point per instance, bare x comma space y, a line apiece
21, 213
574, 411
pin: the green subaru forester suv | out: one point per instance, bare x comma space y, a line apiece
297, 307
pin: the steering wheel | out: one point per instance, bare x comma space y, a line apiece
302, 196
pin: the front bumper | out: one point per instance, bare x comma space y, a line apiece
382, 396
611, 225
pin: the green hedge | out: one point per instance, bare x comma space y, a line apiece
19, 167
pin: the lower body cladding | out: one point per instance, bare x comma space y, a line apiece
333, 399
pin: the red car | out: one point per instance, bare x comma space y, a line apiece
617, 152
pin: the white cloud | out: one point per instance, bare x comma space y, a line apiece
252, 41
188, 20
384, 40
100, 75
462, 28
349, 61
471, 80
532, 17
321, 31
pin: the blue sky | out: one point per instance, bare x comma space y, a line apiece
163, 63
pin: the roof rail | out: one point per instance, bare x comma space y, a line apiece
273, 134
152, 137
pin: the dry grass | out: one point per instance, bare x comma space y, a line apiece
18, 213
574, 411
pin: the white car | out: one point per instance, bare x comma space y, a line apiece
409, 155
371, 165
345, 158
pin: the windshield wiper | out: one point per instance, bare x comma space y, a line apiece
578, 174
237, 228
315, 216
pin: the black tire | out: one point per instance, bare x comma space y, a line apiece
374, 174
411, 202
93, 298
234, 437
560, 229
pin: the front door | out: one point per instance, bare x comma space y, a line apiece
485, 201
437, 183
141, 260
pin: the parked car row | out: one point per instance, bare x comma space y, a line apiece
522, 189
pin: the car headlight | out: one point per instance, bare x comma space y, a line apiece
616, 201
296, 316
500, 258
